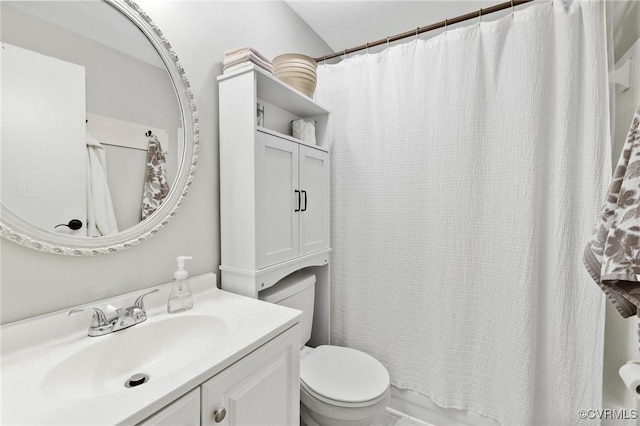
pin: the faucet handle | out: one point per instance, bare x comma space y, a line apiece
99, 318
139, 303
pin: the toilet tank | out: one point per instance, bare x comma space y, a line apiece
295, 291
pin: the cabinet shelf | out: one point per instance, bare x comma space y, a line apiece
277, 92
288, 137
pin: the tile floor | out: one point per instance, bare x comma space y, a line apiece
388, 418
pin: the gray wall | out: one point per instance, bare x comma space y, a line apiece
34, 283
628, 30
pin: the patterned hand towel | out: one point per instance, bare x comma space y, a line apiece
612, 257
156, 187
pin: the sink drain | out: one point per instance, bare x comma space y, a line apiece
136, 380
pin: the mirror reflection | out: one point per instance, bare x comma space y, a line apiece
91, 125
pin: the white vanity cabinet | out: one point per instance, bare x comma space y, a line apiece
274, 188
262, 388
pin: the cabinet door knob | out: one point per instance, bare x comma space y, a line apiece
305, 201
219, 414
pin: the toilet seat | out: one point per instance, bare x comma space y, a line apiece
343, 377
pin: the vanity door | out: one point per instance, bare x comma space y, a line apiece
263, 388
185, 411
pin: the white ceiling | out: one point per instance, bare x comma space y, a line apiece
346, 24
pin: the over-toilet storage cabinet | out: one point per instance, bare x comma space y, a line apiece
274, 188
260, 389
292, 195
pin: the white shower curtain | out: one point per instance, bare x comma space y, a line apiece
467, 173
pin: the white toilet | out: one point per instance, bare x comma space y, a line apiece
338, 386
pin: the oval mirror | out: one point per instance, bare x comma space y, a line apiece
99, 127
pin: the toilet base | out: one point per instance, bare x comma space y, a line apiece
307, 420
322, 414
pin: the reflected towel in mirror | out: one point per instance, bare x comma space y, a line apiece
101, 218
156, 187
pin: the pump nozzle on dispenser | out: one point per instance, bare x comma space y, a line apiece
180, 272
180, 298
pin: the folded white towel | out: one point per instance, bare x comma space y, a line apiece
246, 57
241, 65
232, 68
244, 49
101, 217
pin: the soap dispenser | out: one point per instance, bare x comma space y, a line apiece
180, 299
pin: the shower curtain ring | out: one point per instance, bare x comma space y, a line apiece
417, 29
513, 8
445, 25
480, 16
388, 42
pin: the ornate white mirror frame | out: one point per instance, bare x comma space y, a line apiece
22, 232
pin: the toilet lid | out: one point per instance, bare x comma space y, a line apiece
343, 374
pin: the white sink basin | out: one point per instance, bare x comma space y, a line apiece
152, 348
54, 374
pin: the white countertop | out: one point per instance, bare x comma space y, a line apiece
32, 348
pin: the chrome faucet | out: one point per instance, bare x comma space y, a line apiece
120, 319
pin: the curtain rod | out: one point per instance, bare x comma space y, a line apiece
431, 27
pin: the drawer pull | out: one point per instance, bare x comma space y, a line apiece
219, 414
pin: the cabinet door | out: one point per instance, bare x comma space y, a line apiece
277, 200
314, 213
261, 389
185, 411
